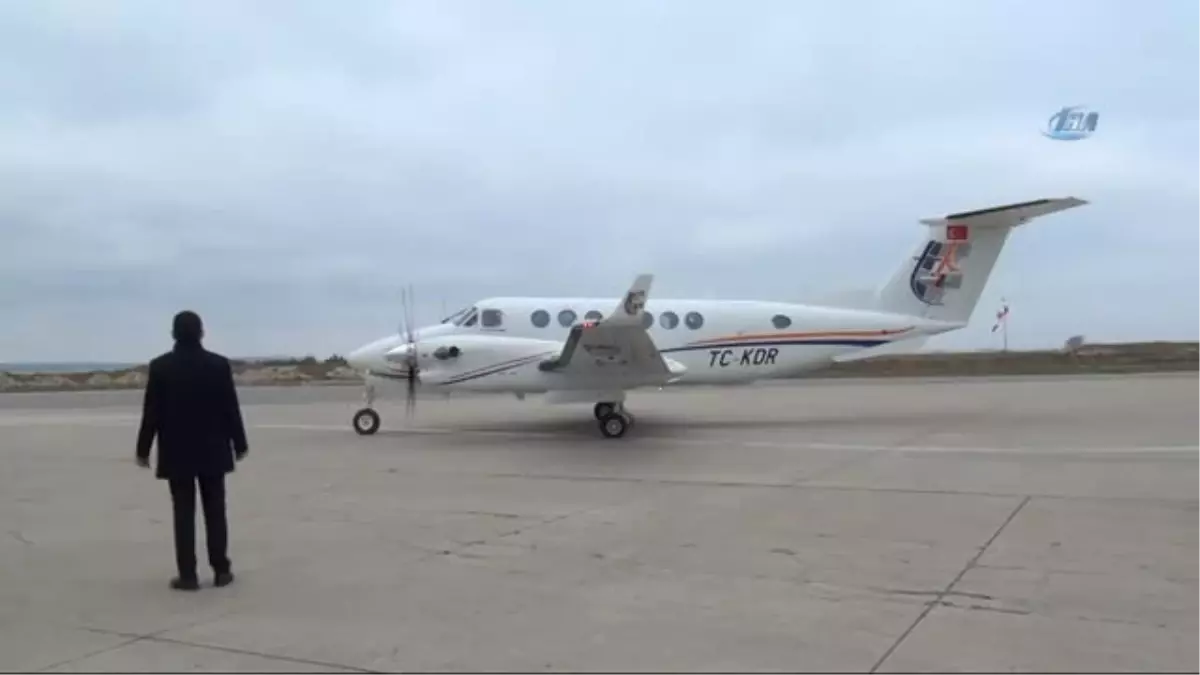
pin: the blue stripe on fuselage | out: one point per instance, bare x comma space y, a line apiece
776, 343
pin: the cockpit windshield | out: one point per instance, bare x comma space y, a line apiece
461, 316
454, 317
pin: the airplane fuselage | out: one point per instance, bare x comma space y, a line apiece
715, 341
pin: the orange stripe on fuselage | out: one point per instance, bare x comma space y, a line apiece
793, 335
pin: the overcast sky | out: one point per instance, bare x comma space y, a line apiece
284, 168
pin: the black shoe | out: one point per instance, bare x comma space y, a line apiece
185, 584
223, 579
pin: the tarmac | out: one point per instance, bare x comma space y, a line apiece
1000, 524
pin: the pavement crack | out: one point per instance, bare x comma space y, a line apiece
97, 652
264, 655
934, 592
461, 549
493, 514
986, 608
158, 636
807, 483
940, 599
132, 638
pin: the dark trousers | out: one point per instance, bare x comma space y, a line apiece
216, 529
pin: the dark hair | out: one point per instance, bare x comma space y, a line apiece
187, 327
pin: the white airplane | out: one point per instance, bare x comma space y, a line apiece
595, 350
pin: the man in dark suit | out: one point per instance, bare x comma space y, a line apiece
191, 406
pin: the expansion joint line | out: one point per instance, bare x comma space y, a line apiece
950, 586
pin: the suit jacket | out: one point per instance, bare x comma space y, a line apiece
191, 406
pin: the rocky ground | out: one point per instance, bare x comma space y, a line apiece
246, 374
1100, 358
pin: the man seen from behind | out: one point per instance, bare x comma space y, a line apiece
191, 407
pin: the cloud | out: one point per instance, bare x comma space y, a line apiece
285, 169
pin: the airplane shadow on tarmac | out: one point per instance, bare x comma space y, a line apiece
660, 426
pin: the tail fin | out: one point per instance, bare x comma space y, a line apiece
945, 277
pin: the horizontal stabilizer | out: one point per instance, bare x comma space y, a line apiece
1007, 216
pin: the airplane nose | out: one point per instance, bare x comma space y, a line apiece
399, 354
358, 358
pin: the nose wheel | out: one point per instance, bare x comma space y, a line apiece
366, 422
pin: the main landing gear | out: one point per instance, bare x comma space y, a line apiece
614, 419
366, 420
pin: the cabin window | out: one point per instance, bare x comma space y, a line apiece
780, 321
566, 318
472, 320
593, 315
668, 320
491, 318
694, 320
647, 320
540, 318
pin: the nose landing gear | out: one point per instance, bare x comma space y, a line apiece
366, 421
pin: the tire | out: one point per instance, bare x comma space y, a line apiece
366, 422
613, 425
603, 409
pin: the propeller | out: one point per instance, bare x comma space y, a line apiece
406, 329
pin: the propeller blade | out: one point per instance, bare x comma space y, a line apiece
411, 400
411, 318
405, 330
410, 338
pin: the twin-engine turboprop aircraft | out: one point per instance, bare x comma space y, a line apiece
594, 350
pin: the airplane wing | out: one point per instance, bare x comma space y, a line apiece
616, 350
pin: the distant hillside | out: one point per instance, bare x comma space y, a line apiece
1130, 357
1139, 357
64, 367
247, 372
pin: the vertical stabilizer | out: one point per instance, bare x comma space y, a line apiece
945, 277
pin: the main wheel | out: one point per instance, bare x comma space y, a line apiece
366, 422
603, 410
613, 425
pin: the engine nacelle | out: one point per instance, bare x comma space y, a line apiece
447, 352
473, 360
